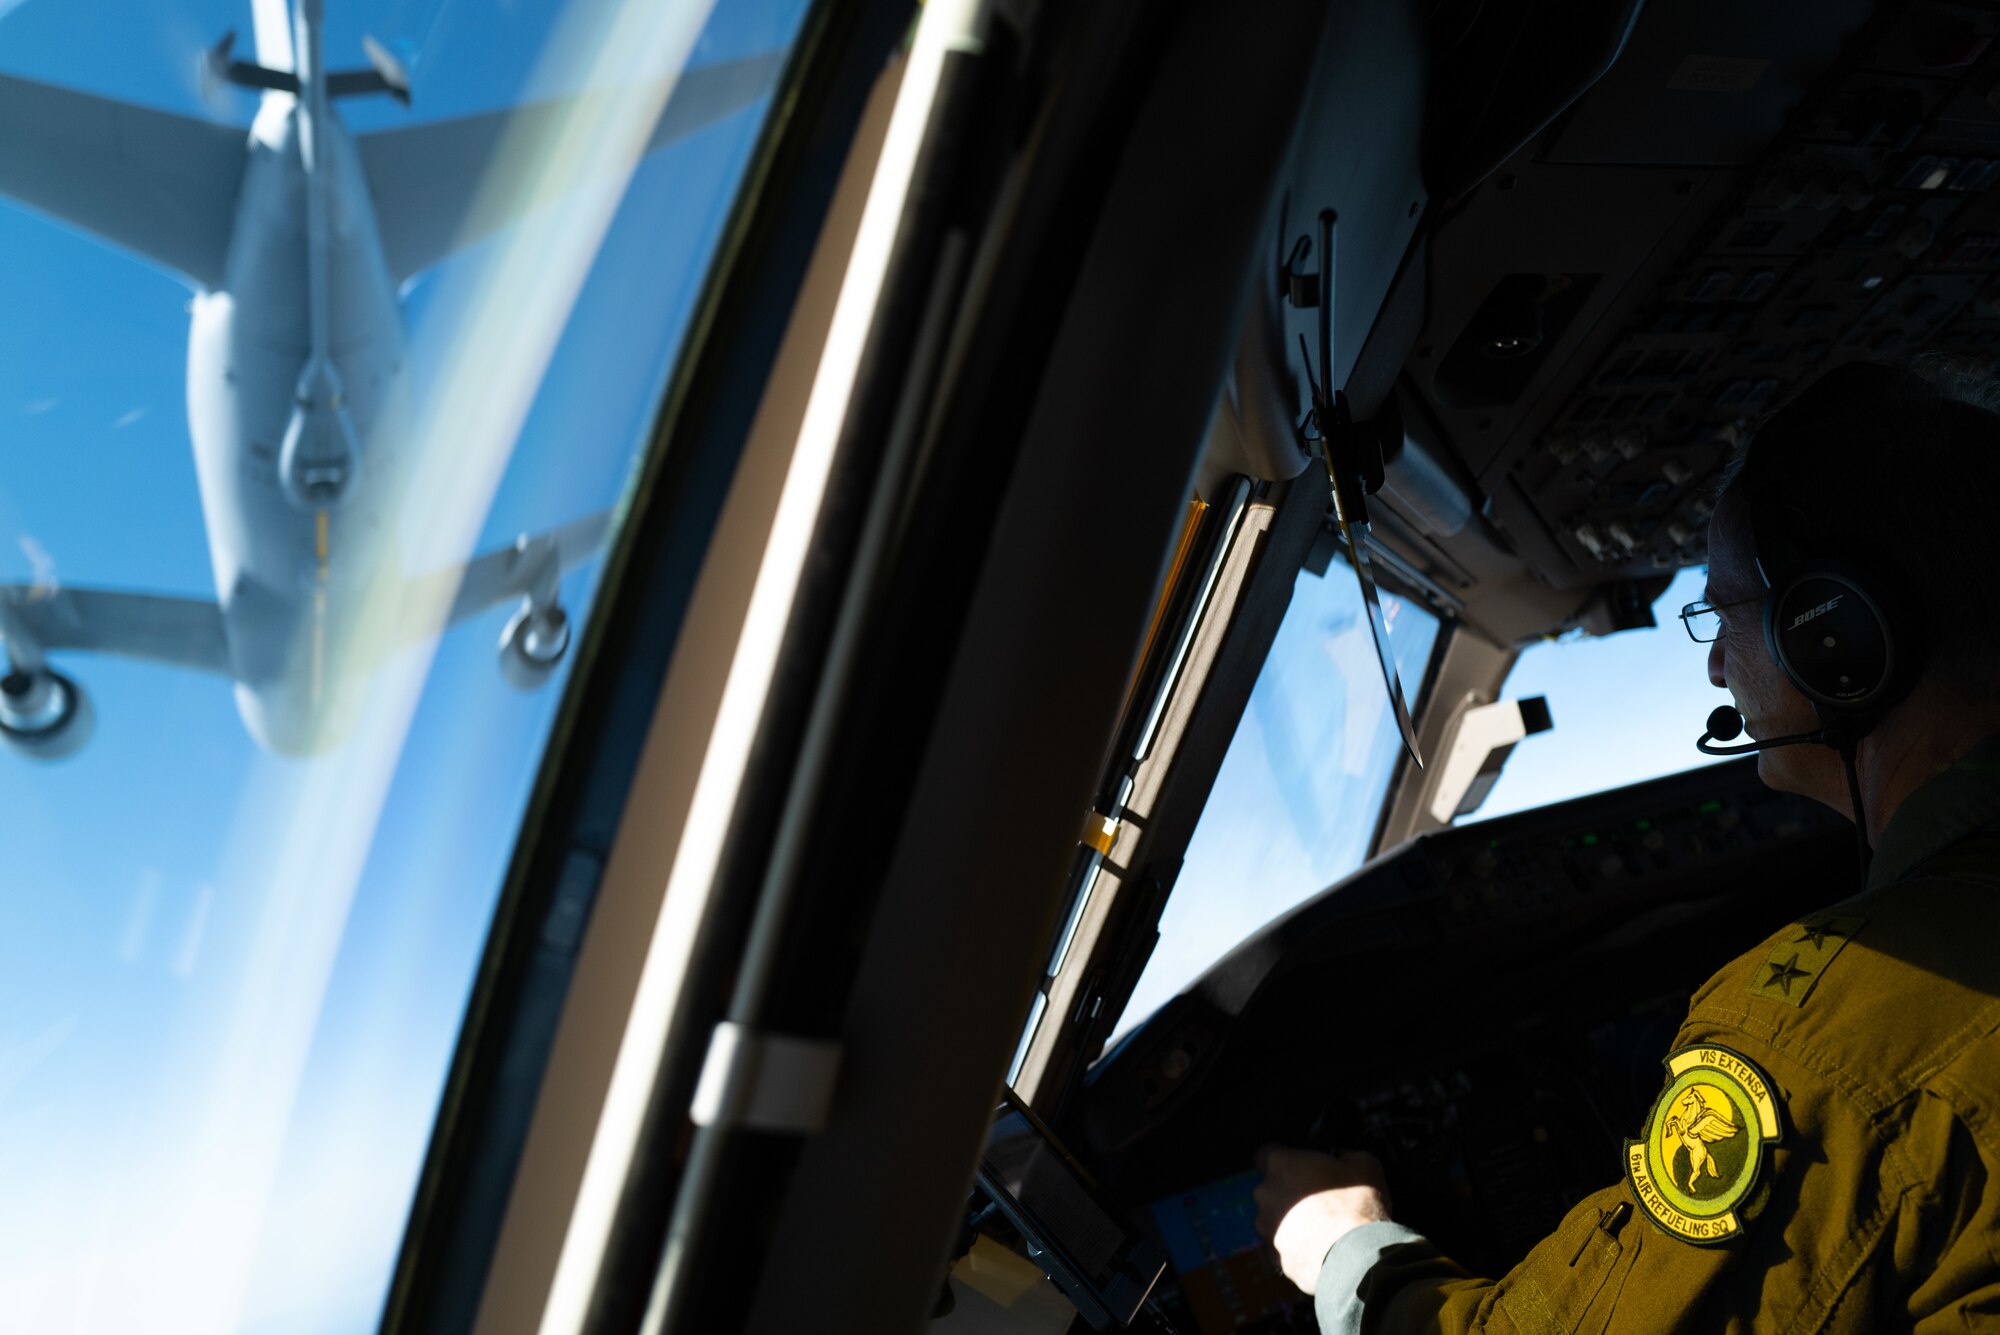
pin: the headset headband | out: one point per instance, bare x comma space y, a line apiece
1835, 619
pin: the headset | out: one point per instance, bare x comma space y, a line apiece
1842, 626
1846, 633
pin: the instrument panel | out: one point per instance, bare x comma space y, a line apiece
1866, 229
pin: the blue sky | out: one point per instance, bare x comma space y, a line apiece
1293, 804
149, 897
1626, 707
1297, 796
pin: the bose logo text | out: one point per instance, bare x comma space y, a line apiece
1812, 612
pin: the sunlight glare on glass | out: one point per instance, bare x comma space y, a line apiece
239, 956
1299, 791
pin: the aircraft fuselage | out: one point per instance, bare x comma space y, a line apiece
290, 577
298, 393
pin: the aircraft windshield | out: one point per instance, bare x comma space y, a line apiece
326, 357
1300, 789
1627, 708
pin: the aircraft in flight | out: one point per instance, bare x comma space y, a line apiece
298, 241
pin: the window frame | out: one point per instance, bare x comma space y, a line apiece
1321, 560
1169, 789
479, 1151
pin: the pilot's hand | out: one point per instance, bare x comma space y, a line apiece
1307, 1202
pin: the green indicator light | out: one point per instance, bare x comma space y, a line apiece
1644, 824
1589, 839
1493, 843
1709, 808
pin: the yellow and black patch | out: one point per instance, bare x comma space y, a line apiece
1801, 956
1704, 1145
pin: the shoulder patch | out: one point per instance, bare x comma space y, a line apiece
1704, 1144
1801, 956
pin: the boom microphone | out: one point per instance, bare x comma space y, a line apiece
1726, 725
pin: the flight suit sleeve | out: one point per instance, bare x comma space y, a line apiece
1386, 1278
1805, 1223
1385, 1251
1944, 1251
1823, 1155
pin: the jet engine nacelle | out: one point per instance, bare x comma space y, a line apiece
44, 715
533, 645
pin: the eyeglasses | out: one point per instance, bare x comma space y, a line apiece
1704, 622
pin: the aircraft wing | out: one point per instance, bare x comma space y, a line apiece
180, 632
502, 576
446, 184
507, 574
159, 185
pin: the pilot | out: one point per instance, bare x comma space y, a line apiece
1825, 1152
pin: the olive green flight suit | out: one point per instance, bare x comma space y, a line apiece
1878, 1208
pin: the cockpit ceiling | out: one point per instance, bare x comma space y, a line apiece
1752, 194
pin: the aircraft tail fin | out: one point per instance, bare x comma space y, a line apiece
385, 73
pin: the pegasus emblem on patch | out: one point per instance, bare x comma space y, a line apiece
1704, 1144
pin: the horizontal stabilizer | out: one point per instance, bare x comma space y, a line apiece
354, 83
385, 74
246, 75
444, 185
180, 632
218, 65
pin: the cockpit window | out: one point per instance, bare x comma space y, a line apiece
1626, 707
1299, 791
327, 353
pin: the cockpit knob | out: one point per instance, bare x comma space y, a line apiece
1915, 238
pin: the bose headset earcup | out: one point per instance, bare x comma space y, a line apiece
1844, 635
1830, 634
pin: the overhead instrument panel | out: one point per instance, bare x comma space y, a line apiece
1600, 372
